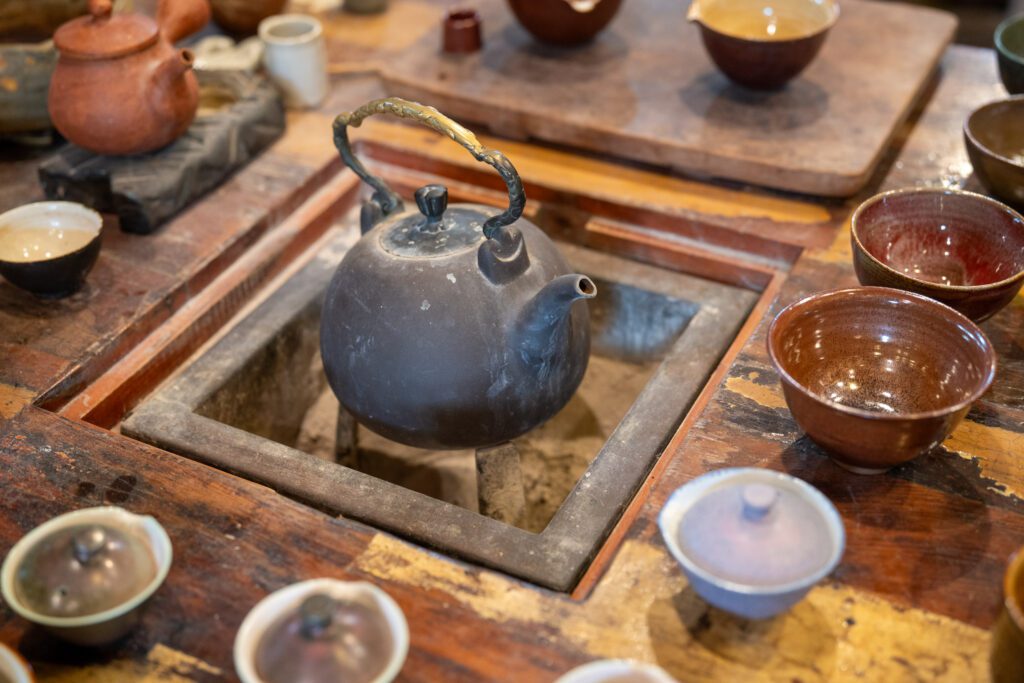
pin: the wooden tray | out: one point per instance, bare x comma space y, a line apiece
645, 90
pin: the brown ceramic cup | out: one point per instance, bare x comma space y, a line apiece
461, 32
763, 44
961, 248
1007, 658
878, 376
564, 22
995, 143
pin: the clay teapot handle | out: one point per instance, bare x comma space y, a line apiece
389, 201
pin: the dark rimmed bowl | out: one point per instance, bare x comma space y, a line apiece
961, 248
994, 136
761, 63
1007, 657
878, 376
55, 273
1009, 40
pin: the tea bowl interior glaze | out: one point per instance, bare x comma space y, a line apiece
48, 248
878, 376
994, 137
1009, 41
763, 44
960, 248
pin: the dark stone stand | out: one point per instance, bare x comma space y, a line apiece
146, 190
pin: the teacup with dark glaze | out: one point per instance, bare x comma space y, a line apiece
1007, 660
995, 143
878, 376
961, 248
763, 44
1009, 40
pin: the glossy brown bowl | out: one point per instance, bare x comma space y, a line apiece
878, 376
557, 22
1007, 659
763, 44
1009, 41
961, 248
994, 135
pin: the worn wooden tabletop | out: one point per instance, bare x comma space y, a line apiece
913, 598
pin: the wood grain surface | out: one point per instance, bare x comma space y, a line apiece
646, 90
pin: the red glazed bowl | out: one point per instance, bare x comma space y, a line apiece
763, 44
963, 249
877, 376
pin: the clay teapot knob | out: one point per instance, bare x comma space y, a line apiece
432, 201
758, 500
101, 9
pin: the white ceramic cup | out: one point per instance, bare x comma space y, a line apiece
295, 56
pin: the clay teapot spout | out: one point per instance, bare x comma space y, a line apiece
162, 90
181, 18
543, 324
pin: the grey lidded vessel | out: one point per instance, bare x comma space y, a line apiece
451, 327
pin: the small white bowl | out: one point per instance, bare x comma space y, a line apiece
750, 601
109, 625
269, 609
616, 670
13, 668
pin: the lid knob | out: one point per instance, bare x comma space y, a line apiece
758, 500
88, 543
432, 201
316, 614
101, 9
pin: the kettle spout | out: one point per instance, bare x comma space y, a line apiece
161, 91
543, 324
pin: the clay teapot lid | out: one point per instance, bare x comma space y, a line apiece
753, 532
103, 35
82, 570
326, 639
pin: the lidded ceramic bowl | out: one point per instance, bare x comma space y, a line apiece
48, 248
322, 631
616, 671
752, 541
85, 575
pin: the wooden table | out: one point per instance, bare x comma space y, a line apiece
913, 599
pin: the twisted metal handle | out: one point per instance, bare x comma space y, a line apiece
428, 116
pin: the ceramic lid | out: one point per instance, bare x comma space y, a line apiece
436, 230
83, 569
101, 35
324, 640
755, 532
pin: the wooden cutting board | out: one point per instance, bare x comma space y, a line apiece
646, 90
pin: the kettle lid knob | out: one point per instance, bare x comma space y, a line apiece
432, 201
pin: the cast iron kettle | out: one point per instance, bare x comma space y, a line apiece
451, 327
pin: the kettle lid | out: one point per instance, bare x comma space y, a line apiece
436, 230
102, 35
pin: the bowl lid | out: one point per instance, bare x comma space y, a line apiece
82, 570
752, 531
102, 35
326, 639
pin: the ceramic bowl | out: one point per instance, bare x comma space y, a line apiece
763, 44
1007, 660
101, 628
616, 671
14, 669
565, 23
288, 599
877, 376
1009, 40
960, 248
750, 599
995, 143
48, 248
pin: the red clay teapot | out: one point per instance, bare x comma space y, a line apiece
120, 86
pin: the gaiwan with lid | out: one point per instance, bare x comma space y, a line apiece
322, 631
86, 574
120, 86
451, 326
751, 541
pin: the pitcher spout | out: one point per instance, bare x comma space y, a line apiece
543, 324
